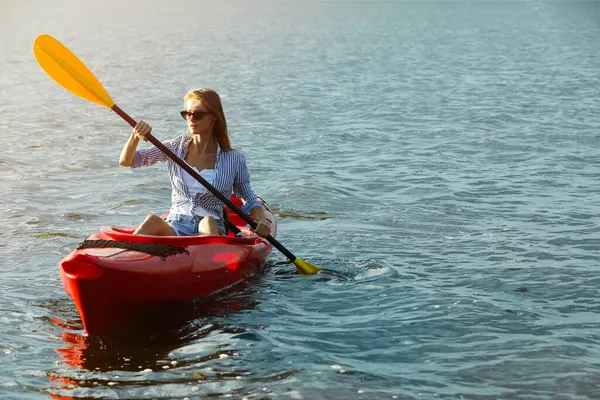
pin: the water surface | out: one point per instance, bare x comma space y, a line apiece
440, 156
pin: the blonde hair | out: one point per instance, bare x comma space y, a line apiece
212, 101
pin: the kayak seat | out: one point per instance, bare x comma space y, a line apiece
232, 220
230, 228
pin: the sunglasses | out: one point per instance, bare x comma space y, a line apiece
198, 115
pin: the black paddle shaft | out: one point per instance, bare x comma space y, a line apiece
204, 183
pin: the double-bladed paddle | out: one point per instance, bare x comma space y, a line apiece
69, 72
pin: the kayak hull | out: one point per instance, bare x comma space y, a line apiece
111, 285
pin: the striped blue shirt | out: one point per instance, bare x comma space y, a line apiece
232, 176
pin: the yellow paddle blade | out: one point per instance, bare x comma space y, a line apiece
68, 70
305, 267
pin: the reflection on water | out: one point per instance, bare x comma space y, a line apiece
192, 348
147, 343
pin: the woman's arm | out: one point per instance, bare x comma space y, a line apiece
140, 131
262, 224
128, 152
243, 190
130, 157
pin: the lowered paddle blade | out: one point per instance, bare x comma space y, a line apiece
305, 267
68, 70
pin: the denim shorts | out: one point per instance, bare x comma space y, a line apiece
187, 225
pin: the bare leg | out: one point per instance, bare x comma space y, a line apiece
209, 226
154, 225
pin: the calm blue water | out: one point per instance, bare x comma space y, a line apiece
442, 157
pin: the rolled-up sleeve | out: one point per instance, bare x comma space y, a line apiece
151, 155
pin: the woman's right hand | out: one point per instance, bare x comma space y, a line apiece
141, 130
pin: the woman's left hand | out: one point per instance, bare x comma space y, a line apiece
262, 227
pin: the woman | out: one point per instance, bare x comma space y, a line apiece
205, 147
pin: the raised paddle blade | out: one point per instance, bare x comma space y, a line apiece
305, 267
68, 71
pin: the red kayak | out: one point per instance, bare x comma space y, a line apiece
114, 275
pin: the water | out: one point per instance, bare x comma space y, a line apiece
441, 157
